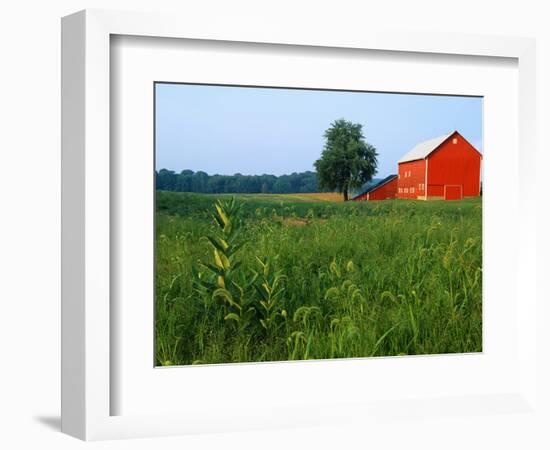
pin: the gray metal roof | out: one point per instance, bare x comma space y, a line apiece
422, 150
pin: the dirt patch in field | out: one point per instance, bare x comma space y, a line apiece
324, 196
299, 222
294, 221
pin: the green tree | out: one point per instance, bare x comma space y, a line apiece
201, 182
347, 161
166, 180
282, 185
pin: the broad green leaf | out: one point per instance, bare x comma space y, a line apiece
221, 260
222, 215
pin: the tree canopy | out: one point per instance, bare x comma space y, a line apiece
347, 160
189, 181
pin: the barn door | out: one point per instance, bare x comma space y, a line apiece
453, 192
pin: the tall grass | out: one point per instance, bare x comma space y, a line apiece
299, 279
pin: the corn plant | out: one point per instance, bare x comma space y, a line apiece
220, 282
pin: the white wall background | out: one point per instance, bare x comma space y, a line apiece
30, 199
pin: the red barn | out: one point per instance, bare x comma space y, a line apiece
447, 167
384, 189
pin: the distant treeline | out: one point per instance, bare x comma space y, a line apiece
189, 181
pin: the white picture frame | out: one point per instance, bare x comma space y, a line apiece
87, 353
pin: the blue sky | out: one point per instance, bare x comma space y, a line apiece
227, 130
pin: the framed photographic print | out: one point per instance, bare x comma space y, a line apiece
266, 228
314, 239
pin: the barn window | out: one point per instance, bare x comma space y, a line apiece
455, 140
412, 190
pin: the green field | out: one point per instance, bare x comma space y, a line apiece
279, 277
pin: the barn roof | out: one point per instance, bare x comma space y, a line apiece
422, 150
376, 185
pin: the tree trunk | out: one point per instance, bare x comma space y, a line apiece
346, 194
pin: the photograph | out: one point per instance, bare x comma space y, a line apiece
300, 224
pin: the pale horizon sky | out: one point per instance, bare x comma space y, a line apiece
252, 131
